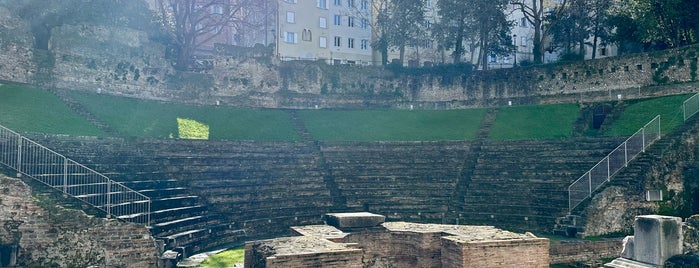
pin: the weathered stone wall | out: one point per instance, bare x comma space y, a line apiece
124, 61
532, 253
615, 208
16, 52
50, 236
584, 251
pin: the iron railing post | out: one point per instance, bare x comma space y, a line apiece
65, 175
626, 155
19, 155
108, 203
589, 182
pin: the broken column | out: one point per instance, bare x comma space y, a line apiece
656, 239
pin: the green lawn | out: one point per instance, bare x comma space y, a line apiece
225, 259
392, 125
29, 109
535, 122
142, 118
640, 112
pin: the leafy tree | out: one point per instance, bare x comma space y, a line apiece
534, 12
656, 24
483, 23
192, 23
454, 26
493, 29
399, 23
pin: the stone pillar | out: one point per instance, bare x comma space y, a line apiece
657, 238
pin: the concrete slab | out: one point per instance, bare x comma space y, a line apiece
354, 220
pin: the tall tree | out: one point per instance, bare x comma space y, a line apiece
453, 27
657, 24
493, 29
535, 12
482, 23
192, 23
399, 23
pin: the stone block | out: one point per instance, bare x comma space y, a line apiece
354, 219
657, 238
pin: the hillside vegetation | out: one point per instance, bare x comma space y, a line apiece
31, 109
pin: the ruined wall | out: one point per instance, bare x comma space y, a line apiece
125, 61
671, 169
16, 52
44, 235
487, 253
584, 251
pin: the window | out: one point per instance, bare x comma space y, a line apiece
338, 41
322, 4
364, 23
350, 21
216, 9
306, 35
350, 3
350, 42
322, 22
217, 29
364, 5
337, 2
337, 20
364, 44
523, 22
290, 17
323, 42
290, 37
523, 42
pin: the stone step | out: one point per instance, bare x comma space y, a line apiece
626, 263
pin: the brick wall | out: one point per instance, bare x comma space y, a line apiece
584, 251
530, 253
50, 236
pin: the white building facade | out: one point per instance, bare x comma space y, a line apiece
335, 31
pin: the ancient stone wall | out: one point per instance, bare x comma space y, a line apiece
44, 235
532, 253
584, 251
126, 62
16, 52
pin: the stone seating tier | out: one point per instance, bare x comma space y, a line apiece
263, 188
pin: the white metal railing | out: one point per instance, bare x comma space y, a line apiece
55, 170
583, 187
690, 106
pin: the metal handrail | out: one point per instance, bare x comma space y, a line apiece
42, 164
583, 187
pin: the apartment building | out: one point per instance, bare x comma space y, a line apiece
336, 31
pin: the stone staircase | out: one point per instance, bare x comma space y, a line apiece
468, 167
79, 109
628, 178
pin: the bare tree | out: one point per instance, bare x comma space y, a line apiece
535, 12
192, 23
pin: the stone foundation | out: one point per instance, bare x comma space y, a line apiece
44, 235
399, 244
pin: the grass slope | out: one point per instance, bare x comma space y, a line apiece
535, 122
29, 109
142, 118
640, 112
392, 125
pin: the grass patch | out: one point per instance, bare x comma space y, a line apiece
640, 112
224, 259
392, 125
142, 118
535, 122
28, 109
